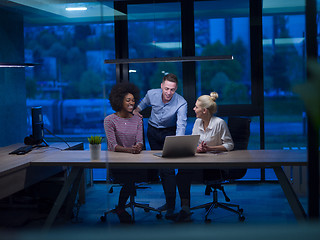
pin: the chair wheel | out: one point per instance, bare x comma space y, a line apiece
103, 218
207, 220
159, 216
242, 218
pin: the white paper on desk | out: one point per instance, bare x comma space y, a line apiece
217, 152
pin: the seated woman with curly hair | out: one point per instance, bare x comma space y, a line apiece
124, 134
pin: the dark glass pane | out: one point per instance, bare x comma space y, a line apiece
72, 82
222, 28
284, 67
154, 30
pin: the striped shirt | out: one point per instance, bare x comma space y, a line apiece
125, 132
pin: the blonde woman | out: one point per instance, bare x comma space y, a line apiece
214, 137
213, 131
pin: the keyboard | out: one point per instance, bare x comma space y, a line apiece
22, 150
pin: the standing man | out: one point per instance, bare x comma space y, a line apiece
168, 117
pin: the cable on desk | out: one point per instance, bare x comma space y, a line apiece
57, 137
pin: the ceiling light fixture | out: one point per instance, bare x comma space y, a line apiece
169, 59
76, 8
17, 65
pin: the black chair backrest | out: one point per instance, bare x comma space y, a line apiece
239, 128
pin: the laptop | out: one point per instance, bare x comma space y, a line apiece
179, 146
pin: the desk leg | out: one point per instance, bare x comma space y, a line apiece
291, 196
74, 176
73, 194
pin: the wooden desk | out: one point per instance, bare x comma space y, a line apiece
274, 159
16, 172
146, 159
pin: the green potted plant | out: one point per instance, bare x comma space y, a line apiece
95, 147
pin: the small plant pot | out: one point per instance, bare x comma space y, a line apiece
95, 150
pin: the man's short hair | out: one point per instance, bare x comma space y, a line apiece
171, 78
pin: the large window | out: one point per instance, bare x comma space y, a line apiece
72, 82
154, 30
284, 67
222, 28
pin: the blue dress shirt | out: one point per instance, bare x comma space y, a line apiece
164, 115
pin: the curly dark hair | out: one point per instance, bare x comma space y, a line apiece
119, 91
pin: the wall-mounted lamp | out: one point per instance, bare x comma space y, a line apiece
169, 59
17, 65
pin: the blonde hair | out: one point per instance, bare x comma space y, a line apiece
209, 102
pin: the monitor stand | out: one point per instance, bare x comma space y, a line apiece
41, 145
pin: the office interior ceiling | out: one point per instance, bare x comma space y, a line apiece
58, 7
54, 11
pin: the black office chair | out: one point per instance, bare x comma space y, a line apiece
143, 177
215, 178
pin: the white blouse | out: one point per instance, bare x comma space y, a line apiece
217, 133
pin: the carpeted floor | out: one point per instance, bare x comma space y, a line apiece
263, 203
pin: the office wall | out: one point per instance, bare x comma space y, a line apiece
12, 80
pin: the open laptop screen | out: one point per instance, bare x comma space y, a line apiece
179, 146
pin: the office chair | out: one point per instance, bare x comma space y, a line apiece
215, 178
143, 177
